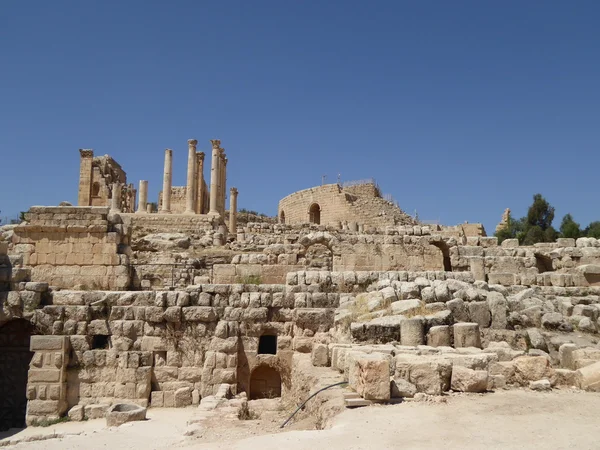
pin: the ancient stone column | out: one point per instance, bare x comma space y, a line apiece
190, 203
223, 183
149, 208
167, 177
200, 183
143, 202
214, 177
233, 193
115, 201
84, 197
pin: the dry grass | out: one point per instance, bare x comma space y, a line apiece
359, 310
422, 310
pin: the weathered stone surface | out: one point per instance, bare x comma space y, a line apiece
411, 331
76, 413
588, 378
428, 375
467, 335
468, 380
370, 376
121, 413
320, 355
532, 368
439, 336
479, 313
540, 385
183, 397
401, 388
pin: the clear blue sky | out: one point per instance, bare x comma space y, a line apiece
459, 109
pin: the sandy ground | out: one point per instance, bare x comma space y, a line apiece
517, 419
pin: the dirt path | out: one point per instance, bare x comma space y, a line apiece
508, 420
518, 419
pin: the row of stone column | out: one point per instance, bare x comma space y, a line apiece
195, 195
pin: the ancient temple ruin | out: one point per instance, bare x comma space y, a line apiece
105, 302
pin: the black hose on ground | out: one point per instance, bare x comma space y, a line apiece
304, 403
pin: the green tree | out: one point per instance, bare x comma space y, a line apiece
593, 230
569, 228
540, 213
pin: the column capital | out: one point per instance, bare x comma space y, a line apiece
192, 142
86, 152
233, 191
200, 156
168, 150
216, 144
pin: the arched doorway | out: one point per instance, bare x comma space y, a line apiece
282, 217
314, 214
265, 382
14, 364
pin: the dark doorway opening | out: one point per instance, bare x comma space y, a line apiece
265, 382
267, 345
100, 342
543, 263
14, 365
314, 214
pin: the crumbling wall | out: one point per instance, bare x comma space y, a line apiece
73, 246
359, 206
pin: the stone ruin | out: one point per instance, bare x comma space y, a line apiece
102, 306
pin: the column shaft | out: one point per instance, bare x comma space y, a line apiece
233, 193
167, 178
200, 183
143, 202
214, 177
190, 198
84, 197
115, 201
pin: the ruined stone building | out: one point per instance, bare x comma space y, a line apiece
354, 206
98, 176
100, 304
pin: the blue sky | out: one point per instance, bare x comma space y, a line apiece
458, 109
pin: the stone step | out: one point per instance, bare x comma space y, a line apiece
357, 402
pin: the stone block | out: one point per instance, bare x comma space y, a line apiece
468, 380
566, 377
411, 331
369, 376
479, 313
183, 397
431, 376
400, 388
95, 411
320, 355
44, 375
540, 385
169, 399
467, 335
76, 413
439, 336
40, 343
157, 399
199, 314
532, 368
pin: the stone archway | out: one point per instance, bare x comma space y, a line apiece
14, 365
265, 382
314, 214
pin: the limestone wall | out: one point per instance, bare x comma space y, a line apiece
73, 246
339, 207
